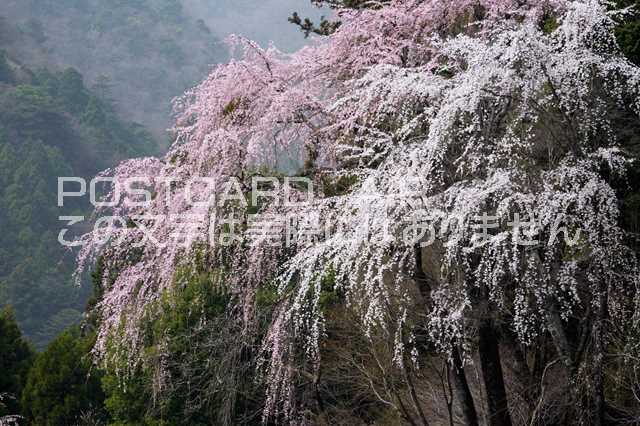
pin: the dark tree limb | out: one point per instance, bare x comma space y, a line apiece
492, 375
462, 390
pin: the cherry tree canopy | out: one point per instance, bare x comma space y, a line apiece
438, 110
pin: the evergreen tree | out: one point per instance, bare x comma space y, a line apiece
62, 385
628, 32
15, 358
72, 91
51, 125
327, 26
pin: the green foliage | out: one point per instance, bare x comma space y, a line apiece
208, 373
31, 275
628, 32
126, 40
127, 398
330, 296
338, 186
94, 114
629, 40
267, 296
549, 23
62, 385
30, 111
71, 91
231, 107
50, 126
327, 27
197, 294
16, 357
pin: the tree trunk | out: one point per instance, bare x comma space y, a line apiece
599, 333
492, 376
463, 393
456, 369
560, 338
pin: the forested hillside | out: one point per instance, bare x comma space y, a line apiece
51, 125
148, 51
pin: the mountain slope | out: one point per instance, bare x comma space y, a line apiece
50, 125
149, 48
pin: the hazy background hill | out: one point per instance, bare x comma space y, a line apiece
145, 51
83, 85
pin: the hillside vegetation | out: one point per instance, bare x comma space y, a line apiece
51, 125
148, 51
